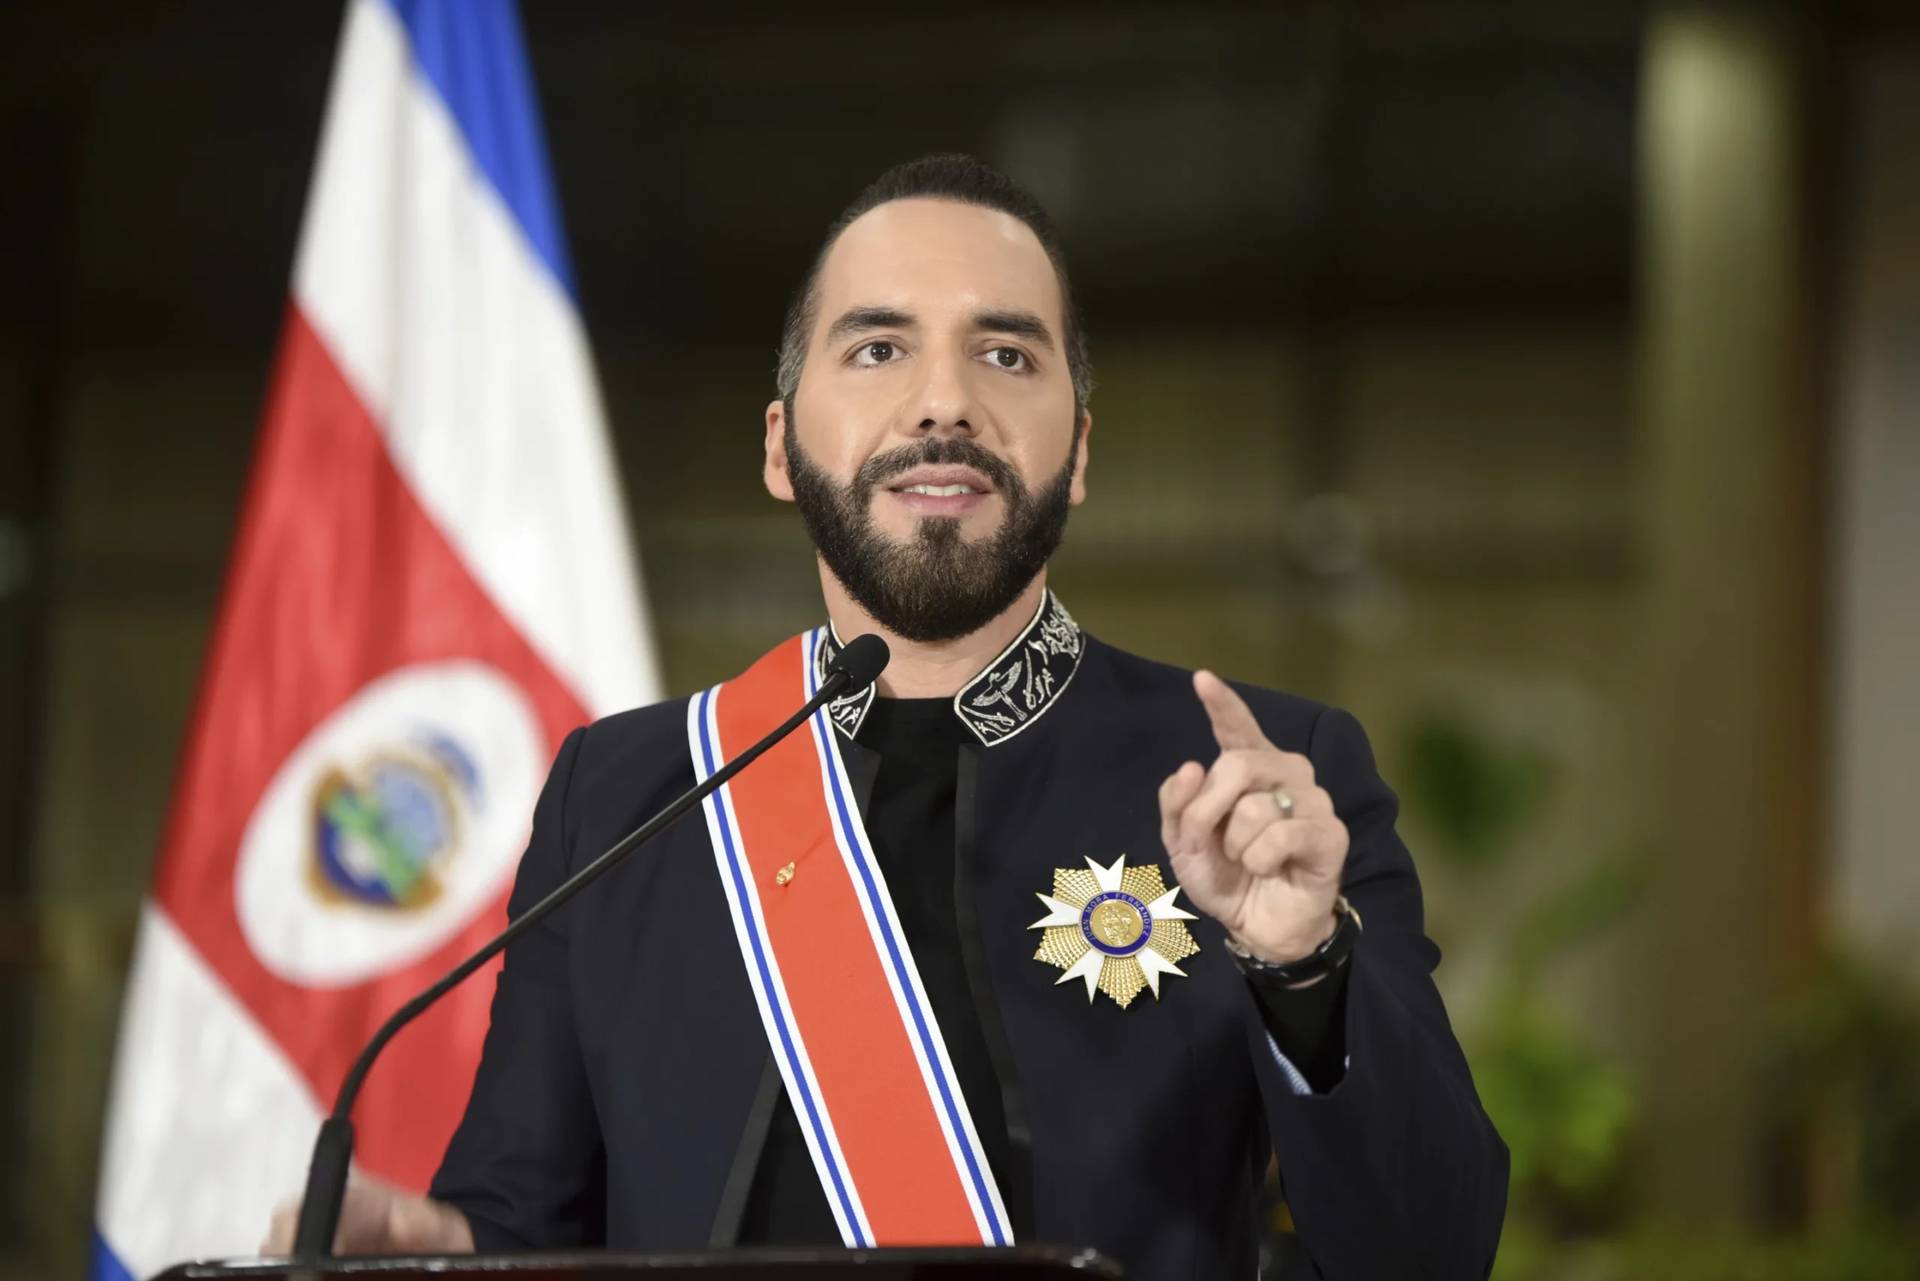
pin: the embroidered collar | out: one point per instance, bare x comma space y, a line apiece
1010, 693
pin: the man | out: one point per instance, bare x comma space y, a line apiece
698, 1051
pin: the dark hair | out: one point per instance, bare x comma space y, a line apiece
959, 178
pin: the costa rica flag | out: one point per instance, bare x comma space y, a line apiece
431, 584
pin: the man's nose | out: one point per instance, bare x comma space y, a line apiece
944, 399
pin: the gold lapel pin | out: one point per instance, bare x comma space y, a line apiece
784, 875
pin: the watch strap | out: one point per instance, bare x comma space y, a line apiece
1332, 953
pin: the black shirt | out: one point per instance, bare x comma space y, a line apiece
910, 824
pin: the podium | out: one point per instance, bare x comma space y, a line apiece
974, 1263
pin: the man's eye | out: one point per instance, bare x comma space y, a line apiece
1008, 358
874, 353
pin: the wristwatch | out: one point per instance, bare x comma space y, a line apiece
1328, 957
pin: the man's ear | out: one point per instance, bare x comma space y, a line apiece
774, 471
1077, 491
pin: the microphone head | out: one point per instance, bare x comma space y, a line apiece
864, 658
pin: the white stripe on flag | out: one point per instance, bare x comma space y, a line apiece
473, 360
210, 1131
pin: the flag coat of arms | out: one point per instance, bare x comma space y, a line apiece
432, 583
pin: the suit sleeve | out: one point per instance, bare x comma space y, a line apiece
526, 1164
1395, 1171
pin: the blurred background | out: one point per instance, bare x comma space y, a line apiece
1540, 381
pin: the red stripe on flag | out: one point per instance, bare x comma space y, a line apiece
841, 1001
338, 577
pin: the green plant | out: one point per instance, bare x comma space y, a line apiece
1472, 791
1563, 1106
1848, 1050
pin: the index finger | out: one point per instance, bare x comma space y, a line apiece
1233, 723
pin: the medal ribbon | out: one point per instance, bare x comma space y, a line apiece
841, 1000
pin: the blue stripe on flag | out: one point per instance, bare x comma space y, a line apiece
103, 1264
473, 53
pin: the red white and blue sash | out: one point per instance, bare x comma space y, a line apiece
839, 995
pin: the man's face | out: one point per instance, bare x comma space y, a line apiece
932, 443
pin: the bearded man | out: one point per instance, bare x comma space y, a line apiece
829, 1014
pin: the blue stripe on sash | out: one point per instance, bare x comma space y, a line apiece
103, 1264
821, 731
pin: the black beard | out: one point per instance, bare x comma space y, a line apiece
938, 586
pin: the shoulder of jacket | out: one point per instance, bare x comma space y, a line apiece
641, 741
650, 722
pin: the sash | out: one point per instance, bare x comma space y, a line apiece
847, 1019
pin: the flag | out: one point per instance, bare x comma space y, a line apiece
431, 584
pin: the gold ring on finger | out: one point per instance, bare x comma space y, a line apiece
1283, 802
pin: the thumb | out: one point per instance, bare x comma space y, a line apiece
1233, 723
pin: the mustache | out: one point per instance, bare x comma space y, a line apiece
881, 468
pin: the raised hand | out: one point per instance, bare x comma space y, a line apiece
1254, 841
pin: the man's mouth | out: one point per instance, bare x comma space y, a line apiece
941, 491
938, 491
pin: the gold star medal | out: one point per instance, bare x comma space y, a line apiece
1115, 927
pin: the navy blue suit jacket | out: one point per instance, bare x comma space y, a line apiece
626, 1084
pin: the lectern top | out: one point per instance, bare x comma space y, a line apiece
1019, 1263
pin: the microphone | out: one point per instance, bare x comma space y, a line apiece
864, 658
856, 667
